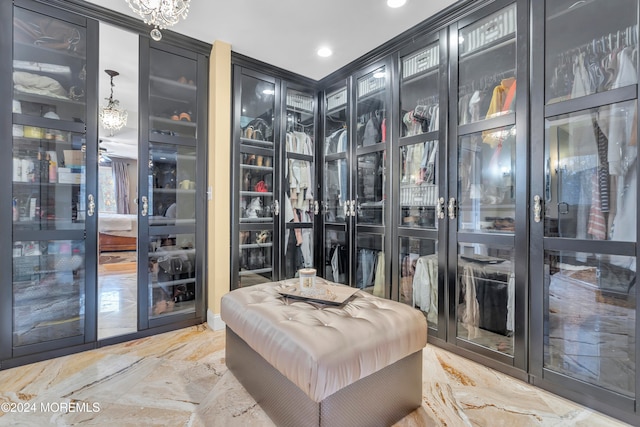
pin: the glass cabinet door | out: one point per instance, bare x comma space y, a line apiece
592, 199
49, 67
168, 206
49, 194
597, 58
370, 185
370, 263
258, 205
418, 157
371, 130
418, 186
370, 108
49, 190
487, 67
484, 209
419, 91
486, 181
172, 95
584, 187
370, 190
299, 202
336, 195
48, 290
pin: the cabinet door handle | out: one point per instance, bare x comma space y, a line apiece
452, 208
440, 208
91, 205
353, 208
276, 208
316, 207
537, 208
145, 206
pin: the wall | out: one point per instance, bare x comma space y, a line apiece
218, 268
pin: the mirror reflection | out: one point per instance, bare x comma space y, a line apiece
117, 185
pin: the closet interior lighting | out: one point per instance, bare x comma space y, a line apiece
324, 52
396, 3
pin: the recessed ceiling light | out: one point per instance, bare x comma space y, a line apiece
396, 3
324, 52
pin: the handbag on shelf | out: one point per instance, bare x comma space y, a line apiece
259, 130
49, 33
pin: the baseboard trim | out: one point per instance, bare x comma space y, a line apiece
214, 321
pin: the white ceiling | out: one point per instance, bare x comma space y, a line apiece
283, 33
287, 33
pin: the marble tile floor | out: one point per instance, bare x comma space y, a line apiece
180, 379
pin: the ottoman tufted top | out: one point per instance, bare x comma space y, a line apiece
321, 348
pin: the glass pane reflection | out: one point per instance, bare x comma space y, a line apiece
172, 185
337, 256
590, 179
419, 276
48, 290
486, 181
48, 180
371, 108
590, 318
337, 137
256, 188
371, 198
486, 296
370, 263
256, 257
487, 67
172, 274
600, 57
335, 191
420, 108
49, 67
418, 184
172, 95
258, 104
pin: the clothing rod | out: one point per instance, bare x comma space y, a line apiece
630, 32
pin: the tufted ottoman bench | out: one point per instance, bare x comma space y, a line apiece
308, 364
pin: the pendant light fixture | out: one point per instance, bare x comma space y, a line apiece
160, 13
112, 117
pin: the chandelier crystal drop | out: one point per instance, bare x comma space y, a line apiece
160, 13
112, 117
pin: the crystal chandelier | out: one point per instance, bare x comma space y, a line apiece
160, 13
112, 117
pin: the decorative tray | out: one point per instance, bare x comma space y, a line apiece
483, 259
323, 293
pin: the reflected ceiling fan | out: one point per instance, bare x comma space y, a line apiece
103, 157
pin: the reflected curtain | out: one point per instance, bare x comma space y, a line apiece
121, 175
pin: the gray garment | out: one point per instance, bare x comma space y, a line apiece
371, 133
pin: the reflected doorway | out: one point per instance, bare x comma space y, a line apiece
118, 187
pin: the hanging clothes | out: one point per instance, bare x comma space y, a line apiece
622, 157
425, 286
496, 108
597, 226
378, 282
372, 134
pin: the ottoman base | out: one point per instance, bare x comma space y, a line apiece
380, 399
